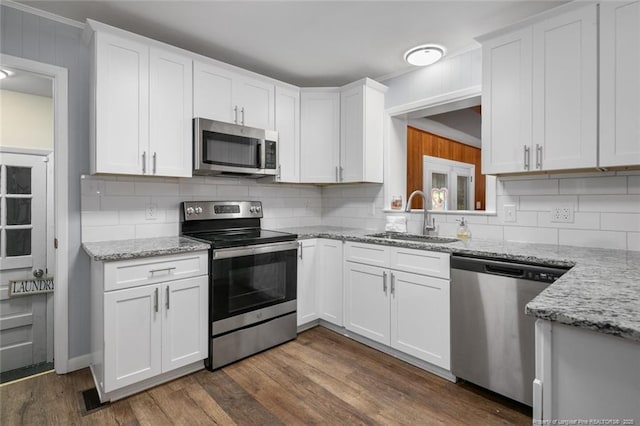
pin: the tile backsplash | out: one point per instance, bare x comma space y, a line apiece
115, 208
606, 207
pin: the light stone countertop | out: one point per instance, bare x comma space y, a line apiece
600, 292
143, 247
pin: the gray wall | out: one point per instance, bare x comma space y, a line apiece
39, 39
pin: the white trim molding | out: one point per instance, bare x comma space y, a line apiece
42, 13
60, 77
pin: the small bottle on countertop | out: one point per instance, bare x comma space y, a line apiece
463, 230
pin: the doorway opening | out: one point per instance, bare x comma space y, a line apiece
27, 257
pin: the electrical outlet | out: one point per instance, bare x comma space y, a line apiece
151, 212
509, 213
562, 214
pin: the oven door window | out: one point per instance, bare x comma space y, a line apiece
246, 283
230, 150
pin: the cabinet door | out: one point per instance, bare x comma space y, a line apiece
319, 136
420, 317
329, 281
366, 301
565, 73
256, 103
288, 128
170, 144
619, 83
214, 93
352, 136
121, 105
184, 323
506, 102
306, 291
132, 336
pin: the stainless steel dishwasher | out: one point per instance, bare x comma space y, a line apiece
492, 340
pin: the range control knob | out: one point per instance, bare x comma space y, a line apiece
252, 209
198, 210
258, 209
190, 211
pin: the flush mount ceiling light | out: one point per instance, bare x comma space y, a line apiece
426, 54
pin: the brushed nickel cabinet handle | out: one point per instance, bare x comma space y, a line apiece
300, 244
526, 157
242, 112
169, 269
538, 156
168, 295
144, 162
384, 282
155, 302
235, 114
154, 162
393, 284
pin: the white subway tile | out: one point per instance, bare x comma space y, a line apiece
99, 218
546, 202
139, 217
89, 203
621, 222
124, 202
188, 189
523, 218
531, 187
531, 234
580, 221
601, 239
90, 186
167, 203
156, 188
633, 241
107, 233
232, 191
486, 232
119, 188
610, 203
157, 230
471, 219
634, 184
599, 185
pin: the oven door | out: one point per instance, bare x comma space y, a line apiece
250, 278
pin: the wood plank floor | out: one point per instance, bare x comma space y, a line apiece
320, 378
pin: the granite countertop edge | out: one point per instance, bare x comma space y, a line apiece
581, 298
106, 251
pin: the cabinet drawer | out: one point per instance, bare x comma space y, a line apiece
136, 272
370, 254
422, 262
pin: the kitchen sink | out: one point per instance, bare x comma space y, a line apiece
412, 237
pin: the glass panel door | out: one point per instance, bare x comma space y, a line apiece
230, 150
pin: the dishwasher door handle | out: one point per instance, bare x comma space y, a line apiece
504, 271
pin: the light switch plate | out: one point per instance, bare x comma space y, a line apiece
151, 212
509, 213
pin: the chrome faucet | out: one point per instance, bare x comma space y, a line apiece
426, 227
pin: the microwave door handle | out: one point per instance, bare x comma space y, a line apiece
262, 154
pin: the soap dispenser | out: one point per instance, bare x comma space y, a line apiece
463, 232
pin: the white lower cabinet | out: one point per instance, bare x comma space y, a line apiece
320, 281
152, 332
407, 311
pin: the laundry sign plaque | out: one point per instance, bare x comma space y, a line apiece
30, 286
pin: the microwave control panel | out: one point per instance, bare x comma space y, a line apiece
270, 155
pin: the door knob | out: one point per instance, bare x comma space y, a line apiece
38, 273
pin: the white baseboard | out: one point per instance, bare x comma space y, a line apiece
79, 362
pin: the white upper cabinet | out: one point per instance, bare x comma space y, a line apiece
319, 135
288, 128
506, 102
224, 95
170, 98
141, 107
565, 91
342, 132
120, 115
619, 83
540, 95
361, 131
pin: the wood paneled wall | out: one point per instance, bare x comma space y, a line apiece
421, 143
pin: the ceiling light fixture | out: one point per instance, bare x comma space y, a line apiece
426, 54
4, 74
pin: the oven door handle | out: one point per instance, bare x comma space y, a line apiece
253, 250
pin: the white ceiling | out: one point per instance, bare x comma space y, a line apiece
26, 82
307, 43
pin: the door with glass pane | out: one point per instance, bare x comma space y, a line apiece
23, 320
448, 184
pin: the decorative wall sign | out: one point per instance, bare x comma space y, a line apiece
30, 286
439, 198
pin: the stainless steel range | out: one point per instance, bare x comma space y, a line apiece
252, 278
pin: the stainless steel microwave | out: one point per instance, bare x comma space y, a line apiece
221, 148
